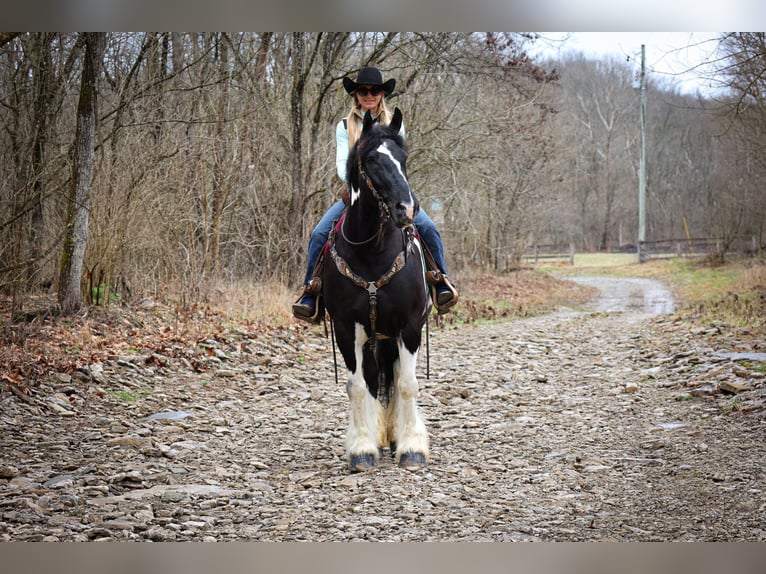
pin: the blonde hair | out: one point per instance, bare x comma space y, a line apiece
355, 117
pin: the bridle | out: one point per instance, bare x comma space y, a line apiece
385, 211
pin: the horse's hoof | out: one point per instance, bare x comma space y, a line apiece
412, 460
362, 462
393, 448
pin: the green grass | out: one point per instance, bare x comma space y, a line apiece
128, 396
611, 264
604, 259
100, 293
698, 282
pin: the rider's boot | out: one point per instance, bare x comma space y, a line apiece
309, 306
443, 292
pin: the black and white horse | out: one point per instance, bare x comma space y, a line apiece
375, 292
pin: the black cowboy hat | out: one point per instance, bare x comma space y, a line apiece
369, 77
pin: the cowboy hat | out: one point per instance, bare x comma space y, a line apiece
369, 77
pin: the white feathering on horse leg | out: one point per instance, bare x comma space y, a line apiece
409, 428
365, 419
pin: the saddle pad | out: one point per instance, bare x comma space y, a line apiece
335, 230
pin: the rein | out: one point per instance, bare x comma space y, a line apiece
358, 243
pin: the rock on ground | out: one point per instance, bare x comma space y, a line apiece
574, 426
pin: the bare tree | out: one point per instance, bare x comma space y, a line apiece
214, 152
598, 99
477, 123
76, 237
35, 72
743, 66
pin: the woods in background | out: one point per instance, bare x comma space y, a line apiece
213, 153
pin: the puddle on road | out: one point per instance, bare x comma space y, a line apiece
168, 416
672, 426
742, 356
618, 294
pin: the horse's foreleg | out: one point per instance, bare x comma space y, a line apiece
406, 427
365, 421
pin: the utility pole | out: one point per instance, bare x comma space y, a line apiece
642, 161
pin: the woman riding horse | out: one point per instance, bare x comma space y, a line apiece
374, 289
368, 97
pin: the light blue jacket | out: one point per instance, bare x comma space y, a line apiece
341, 146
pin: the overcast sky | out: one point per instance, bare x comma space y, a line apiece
674, 57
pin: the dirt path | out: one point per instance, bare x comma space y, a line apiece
591, 425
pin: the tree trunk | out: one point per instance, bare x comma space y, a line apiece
296, 111
220, 184
41, 110
76, 237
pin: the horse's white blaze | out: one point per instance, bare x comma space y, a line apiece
410, 205
383, 148
407, 427
365, 421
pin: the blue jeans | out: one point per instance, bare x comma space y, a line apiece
424, 224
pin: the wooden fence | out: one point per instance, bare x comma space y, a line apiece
551, 252
696, 247
662, 249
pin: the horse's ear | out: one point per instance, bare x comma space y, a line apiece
396, 121
368, 121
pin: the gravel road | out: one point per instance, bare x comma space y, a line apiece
616, 422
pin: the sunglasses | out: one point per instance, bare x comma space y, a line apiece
374, 90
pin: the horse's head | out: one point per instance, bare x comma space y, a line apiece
377, 168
